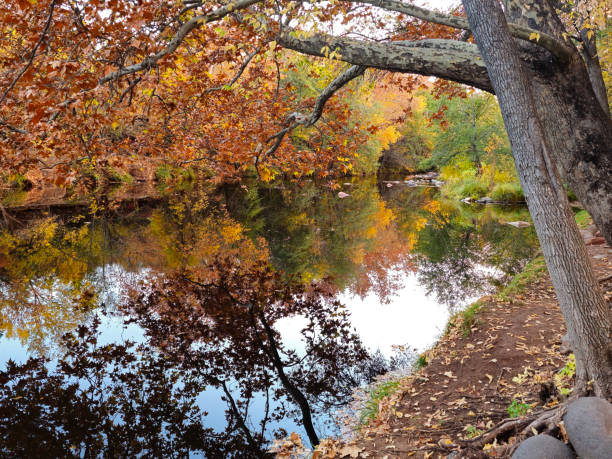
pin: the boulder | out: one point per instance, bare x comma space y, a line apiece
343, 195
485, 200
588, 423
543, 447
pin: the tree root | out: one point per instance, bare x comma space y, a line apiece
546, 421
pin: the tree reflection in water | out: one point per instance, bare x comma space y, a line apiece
135, 399
222, 274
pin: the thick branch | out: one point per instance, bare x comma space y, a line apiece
182, 32
296, 119
447, 59
556, 47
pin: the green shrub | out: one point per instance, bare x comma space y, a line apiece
508, 192
472, 188
473, 432
118, 176
163, 173
517, 409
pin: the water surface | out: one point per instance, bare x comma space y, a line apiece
213, 321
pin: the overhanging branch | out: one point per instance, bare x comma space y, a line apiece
555, 46
178, 38
298, 119
448, 59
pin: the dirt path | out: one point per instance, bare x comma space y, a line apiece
509, 353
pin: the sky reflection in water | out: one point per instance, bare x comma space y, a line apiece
215, 314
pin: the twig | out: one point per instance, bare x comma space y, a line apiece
238, 73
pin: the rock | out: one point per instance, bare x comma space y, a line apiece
485, 200
588, 423
343, 195
389, 185
519, 224
543, 447
467, 200
596, 241
347, 184
437, 183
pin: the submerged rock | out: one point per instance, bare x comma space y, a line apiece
588, 423
543, 447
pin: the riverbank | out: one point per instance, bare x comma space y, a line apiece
502, 357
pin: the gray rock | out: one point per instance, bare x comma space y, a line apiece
543, 447
588, 423
485, 200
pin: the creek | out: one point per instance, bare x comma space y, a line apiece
216, 319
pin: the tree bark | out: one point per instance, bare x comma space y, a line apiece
580, 297
578, 129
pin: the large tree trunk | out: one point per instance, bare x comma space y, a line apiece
578, 129
581, 300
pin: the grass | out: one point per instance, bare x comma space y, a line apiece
468, 316
583, 219
472, 188
508, 192
370, 409
420, 362
468, 319
533, 271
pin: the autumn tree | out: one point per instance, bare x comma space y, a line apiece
67, 70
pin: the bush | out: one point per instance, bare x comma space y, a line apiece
508, 192
472, 188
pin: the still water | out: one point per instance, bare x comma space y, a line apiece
215, 320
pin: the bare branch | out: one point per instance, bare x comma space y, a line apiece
559, 49
13, 128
